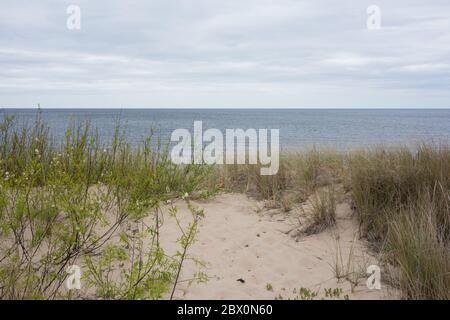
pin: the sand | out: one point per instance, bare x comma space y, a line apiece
250, 251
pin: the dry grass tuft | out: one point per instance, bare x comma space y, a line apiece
323, 211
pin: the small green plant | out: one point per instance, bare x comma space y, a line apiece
187, 238
335, 293
308, 294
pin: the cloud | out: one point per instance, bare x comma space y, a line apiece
209, 53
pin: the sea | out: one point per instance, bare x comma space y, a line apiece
340, 129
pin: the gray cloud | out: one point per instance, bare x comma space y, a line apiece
208, 53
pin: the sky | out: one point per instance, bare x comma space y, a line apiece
225, 54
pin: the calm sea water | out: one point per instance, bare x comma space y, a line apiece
341, 129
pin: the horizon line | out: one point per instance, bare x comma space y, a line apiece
223, 108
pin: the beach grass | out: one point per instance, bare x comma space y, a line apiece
402, 200
323, 213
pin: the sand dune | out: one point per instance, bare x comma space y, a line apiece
251, 252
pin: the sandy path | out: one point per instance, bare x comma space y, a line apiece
239, 240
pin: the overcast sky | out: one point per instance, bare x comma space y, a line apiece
228, 53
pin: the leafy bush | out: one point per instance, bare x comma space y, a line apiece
66, 203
